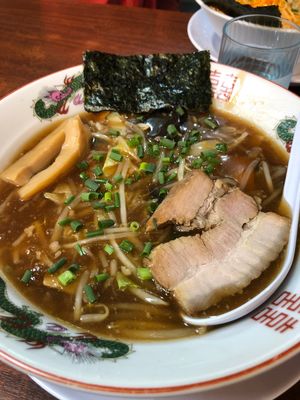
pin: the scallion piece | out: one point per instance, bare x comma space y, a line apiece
221, 147
163, 192
197, 163
110, 207
101, 277
161, 177
54, 267
166, 160
76, 225
147, 167
107, 197
98, 170
171, 177
168, 143
211, 122
89, 292
113, 132
64, 222
97, 156
118, 178
115, 155
26, 276
66, 278
155, 150
75, 267
134, 226
83, 176
92, 184
98, 204
108, 186
89, 196
144, 273
95, 233
134, 141
172, 130
140, 151
124, 282
147, 249
69, 200
106, 223
80, 250
117, 199
101, 180
108, 249
126, 246
82, 165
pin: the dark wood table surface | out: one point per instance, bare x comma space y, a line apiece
38, 37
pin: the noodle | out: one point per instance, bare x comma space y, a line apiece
99, 317
100, 238
79, 293
121, 256
267, 175
246, 175
123, 211
148, 297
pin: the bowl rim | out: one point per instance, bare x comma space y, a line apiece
252, 371
211, 10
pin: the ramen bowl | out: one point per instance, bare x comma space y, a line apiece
42, 346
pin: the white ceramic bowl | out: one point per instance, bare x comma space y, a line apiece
228, 354
217, 20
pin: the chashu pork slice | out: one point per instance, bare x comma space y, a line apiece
234, 258
198, 202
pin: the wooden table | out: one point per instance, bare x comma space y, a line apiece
38, 37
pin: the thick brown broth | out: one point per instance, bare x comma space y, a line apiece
129, 316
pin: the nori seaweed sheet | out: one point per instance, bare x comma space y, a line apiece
144, 83
235, 9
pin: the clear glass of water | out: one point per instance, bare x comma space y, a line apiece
264, 45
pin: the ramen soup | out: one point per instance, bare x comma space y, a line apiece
83, 225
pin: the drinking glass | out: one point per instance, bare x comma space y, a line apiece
264, 45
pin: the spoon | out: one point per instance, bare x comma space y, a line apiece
291, 195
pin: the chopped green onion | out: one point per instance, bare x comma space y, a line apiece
113, 132
172, 176
69, 200
54, 267
208, 154
98, 204
96, 233
89, 196
172, 130
115, 155
101, 277
155, 150
98, 170
180, 111
106, 223
108, 186
166, 160
168, 143
147, 167
82, 165
134, 226
117, 199
76, 225
80, 250
108, 249
110, 208
26, 276
75, 267
152, 206
161, 177
118, 178
65, 221
211, 122
163, 192
126, 246
101, 180
144, 273
222, 147
197, 163
209, 169
107, 197
83, 176
147, 249
89, 292
134, 141
97, 156
128, 181
92, 184
140, 151
124, 282
66, 278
